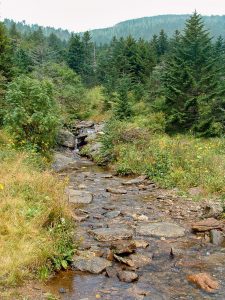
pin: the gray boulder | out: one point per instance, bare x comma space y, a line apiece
66, 138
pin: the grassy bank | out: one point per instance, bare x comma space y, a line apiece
183, 161
35, 227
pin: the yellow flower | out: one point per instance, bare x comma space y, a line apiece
1, 186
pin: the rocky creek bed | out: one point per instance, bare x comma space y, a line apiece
137, 241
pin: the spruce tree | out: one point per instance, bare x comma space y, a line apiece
191, 80
5, 54
75, 55
122, 109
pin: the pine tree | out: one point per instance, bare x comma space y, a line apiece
122, 109
75, 55
88, 72
191, 80
5, 54
163, 44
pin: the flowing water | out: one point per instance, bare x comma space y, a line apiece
166, 276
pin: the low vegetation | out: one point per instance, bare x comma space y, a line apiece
36, 228
138, 147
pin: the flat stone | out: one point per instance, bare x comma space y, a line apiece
140, 260
137, 180
207, 225
216, 237
80, 197
111, 234
161, 229
112, 214
116, 191
94, 265
123, 247
125, 260
62, 162
141, 243
127, 276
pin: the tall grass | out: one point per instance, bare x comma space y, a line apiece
35, 227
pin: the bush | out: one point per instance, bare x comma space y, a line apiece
31, 113
68, 90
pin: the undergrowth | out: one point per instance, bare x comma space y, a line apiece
140, 146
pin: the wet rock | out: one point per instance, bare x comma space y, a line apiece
137, 180
62, 162
107, 176
212, 209
94, 265
111, 234
140, 260
207, 225
204, 281
109, 255
141, 243
84, 124
116, 191
127, 276
162, 229
123, 247
112, 272
80, 197
216, 237
112, 214
137, 217
125, 260
80, 218
66, 138
109, 207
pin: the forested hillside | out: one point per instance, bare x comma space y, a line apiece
139, 28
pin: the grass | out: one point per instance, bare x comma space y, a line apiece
183, 161
35, 227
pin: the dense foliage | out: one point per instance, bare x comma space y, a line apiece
31, 113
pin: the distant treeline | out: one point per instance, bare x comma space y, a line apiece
144, 28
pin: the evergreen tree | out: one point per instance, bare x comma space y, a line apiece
75, 55
5, 54
163, 44
191, 80
122, 109
88, 73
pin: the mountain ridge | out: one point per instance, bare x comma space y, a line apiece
144, 27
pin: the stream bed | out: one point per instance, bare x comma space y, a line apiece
122, 205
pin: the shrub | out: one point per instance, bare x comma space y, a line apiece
31, 113
68, 90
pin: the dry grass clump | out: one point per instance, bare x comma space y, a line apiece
35, 220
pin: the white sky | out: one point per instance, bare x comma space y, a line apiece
80, 15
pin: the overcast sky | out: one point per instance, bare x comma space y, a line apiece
80, 15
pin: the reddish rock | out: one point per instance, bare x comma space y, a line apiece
207, 225
204, 281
